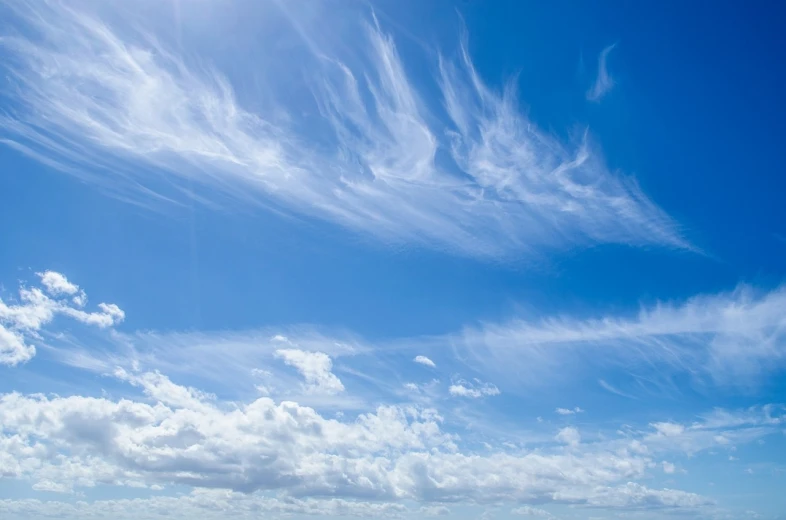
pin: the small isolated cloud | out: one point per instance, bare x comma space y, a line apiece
569, 436
316, 369
604, 82
423, 360
568, 411
474, 389
668, 467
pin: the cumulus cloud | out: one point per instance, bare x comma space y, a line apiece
473, 389
180, 436
117, 108
57, 284
568, 411
22, 322
315, 367
603, 82
569, 436
423, 360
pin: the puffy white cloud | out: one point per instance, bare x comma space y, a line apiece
315, 367
423, 360
13, 349
569, 436
668, 467
21, 323
57, 284
185, 437
484, 181
473, 389
568, 411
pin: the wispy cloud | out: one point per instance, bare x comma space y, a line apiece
119, 109
730, 338
603, 82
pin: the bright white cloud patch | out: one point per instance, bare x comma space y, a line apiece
316, 369
473, 389
184, 437
96, 99
568, 411
423, 360
21, 322
57, 284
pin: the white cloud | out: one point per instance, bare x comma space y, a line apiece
22, 322
119, 109
568, 411
569, 436
603, 82
315, 367
180, 436
423, 360
13, 349
202, 504
56, 284
727, 338
668, 429
532, 511
473, 389
668, 467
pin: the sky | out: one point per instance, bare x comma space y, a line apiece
396, 259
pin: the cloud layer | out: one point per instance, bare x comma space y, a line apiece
464, 171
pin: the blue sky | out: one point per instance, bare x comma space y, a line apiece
400, 259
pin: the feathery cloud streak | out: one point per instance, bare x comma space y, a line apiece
732, 337
468, 173
603, 82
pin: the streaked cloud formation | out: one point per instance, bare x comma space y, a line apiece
466, 172
603, 81
729, 338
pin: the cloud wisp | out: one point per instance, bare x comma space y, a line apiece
603, 81
465, 172
728, 338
